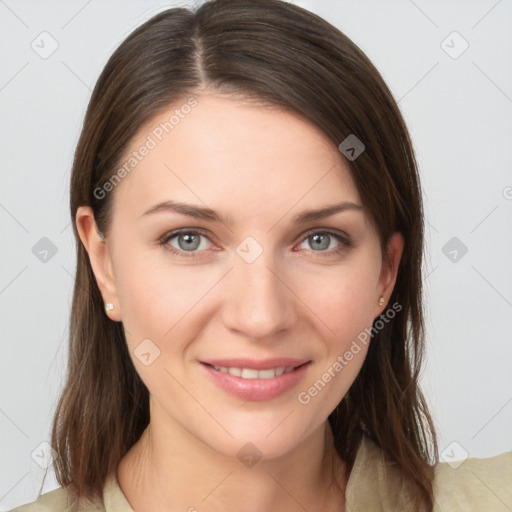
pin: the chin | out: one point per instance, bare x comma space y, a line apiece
261, 440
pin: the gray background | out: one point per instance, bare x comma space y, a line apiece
458, 108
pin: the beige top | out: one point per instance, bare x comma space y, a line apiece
374, 485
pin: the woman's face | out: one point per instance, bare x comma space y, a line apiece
241, 315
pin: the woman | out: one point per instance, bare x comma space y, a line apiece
247, 328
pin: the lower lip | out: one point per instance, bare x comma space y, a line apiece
256, 389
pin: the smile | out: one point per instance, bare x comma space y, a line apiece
251, 373
256, 380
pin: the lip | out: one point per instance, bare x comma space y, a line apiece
256, 364
256, 389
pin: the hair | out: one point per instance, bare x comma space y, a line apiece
290, 58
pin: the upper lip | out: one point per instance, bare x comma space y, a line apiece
256, 364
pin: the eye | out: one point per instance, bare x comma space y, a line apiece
186, 242
327, 243
191, 243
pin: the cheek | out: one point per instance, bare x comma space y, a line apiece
158, 298
159, 303
344, 303
343, 299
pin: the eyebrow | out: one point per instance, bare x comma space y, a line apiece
205, 213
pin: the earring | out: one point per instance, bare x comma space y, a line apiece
381, 301
108, 307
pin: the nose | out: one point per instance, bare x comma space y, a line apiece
259, 303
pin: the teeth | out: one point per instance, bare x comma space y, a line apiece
247, 373
250, 373
266, 374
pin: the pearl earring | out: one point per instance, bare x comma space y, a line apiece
381, 301
108, 307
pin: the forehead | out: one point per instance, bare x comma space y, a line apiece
234, 157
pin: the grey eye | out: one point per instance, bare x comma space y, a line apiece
320, 241
188, 241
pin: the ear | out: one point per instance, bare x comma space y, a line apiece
389, 270
99, 257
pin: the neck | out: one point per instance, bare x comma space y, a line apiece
169, 469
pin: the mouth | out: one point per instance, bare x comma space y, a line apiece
256, 380
252, 373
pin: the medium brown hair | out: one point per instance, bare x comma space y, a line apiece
288, 57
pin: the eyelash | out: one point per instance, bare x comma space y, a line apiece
345, 242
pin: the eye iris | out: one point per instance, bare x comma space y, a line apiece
192, 241
323, 238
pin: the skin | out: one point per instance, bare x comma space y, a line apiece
259, 168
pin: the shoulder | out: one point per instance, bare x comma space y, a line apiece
60, 500
377, 483
57, 500
475, 484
